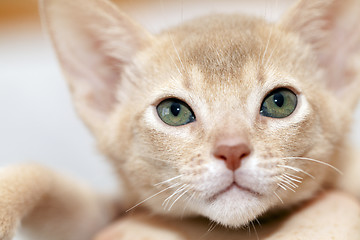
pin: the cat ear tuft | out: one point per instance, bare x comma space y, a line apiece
332, 29
94, 41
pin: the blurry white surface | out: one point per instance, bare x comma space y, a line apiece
37, 120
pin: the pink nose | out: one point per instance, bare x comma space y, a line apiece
232, 151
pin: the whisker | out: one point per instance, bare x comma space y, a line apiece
182, 194
278, 197
267, 45
172, 186
289, 182
276, 43
280, 185
256, 234
288, 186
258, 222
212, 226
293, 177
189, 198
167, 200
284, 186
260, 50
290, 179
166, 181
177, 67
297, 170
247, 226
316, 161
271, 54
177, 52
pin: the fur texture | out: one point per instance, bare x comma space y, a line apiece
295, 226
222, 66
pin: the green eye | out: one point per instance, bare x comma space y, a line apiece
175, 112
280, 103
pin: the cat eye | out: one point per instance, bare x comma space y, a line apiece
280, 103
175, 112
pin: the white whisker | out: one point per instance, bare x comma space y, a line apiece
167, 200
177, 52
258, 222
169, 180
247, 226
290, 178
287, 185
297, 170
279, 197
294, 176
276, 43
280, 185
189, 198
177, 67
182, 194
172, 186
316, 161
288, 182
257, 236
212, 226
267, 45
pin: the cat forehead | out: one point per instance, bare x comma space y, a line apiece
227, 50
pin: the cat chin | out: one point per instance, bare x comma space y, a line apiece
233, 208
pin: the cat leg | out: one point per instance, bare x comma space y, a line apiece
49, 206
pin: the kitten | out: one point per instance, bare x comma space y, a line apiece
226, 116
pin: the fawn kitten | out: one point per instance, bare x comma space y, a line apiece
225, 116
221, 116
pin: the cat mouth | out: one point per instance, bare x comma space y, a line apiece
230, 187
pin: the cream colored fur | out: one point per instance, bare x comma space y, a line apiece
222, 66
305, 223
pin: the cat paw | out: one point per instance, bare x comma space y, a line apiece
130, 229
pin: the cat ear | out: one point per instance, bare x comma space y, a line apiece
94, 41
332, 28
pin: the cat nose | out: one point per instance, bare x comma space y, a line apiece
232, 151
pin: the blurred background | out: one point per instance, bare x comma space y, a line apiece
37, 120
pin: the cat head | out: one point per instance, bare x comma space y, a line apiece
224, 116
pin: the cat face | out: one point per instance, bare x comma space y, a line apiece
224, 116
230, 163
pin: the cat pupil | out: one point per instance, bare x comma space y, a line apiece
175, 109
279, 99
